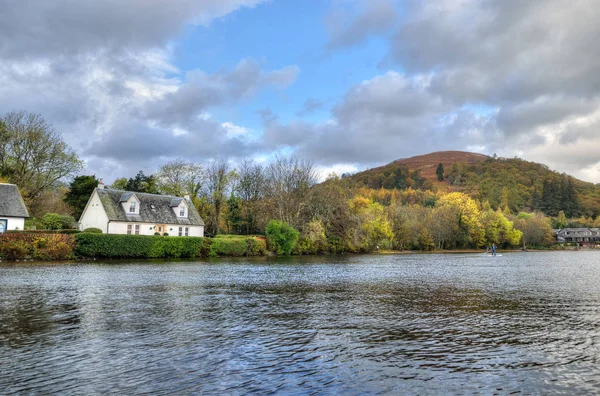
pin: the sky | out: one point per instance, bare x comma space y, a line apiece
347, 84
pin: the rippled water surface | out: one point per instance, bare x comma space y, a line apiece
408, 324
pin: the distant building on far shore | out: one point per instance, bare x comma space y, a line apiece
578, 235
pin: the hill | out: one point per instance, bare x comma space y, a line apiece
427, 164
508, 183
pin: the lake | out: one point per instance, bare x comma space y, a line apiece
375, 324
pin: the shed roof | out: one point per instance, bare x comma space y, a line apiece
11, 202
154, 208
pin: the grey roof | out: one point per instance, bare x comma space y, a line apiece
577, 232
176, 202
11, 202
125, 196
154, 208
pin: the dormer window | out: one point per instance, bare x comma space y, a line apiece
132, 207
182, 211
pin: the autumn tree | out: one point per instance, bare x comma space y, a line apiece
536, 229
33, 155
468, 217
499, 229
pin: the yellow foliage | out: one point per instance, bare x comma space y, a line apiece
469, 214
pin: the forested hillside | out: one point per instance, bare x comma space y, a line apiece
510, 184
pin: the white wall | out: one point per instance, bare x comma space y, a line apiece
14, 223
145, 229
116, 227
94, 215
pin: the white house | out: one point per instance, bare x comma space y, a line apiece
127, 212
12, 208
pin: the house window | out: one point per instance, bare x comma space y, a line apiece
160, 229
180, 231
187, 231
137, 229
181, 212
132, 207
128, 229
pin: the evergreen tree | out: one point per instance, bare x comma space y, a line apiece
79, 193
440, 172
234, 214
142, 183
571, 199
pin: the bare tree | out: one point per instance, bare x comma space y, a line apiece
250, 188
288, 184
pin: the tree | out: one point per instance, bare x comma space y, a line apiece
281, 236
440, 172
250, 188
80, 190
179, 178
234, 214
142, 183
218, 181
536, 229
33, 155
288, 184
119, 184
499, 229
560, 221
468, 216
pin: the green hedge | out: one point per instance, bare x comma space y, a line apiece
45, 232
139, 246
237, 246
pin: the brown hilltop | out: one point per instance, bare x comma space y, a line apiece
428, 163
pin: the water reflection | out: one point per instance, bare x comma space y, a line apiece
332, 325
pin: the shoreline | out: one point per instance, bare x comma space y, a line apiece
81, 260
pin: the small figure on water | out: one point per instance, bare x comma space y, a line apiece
487, 249
493, 249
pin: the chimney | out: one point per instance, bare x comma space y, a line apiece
187, 196
101, 185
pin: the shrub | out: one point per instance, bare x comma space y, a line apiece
312, 240
138, 246
18, 246
205, 246
67, 222
33, 224
237, 246
281, 236
52, 221
93, 230
228, 247
256, 246
43, 232
53, 247
14, 250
